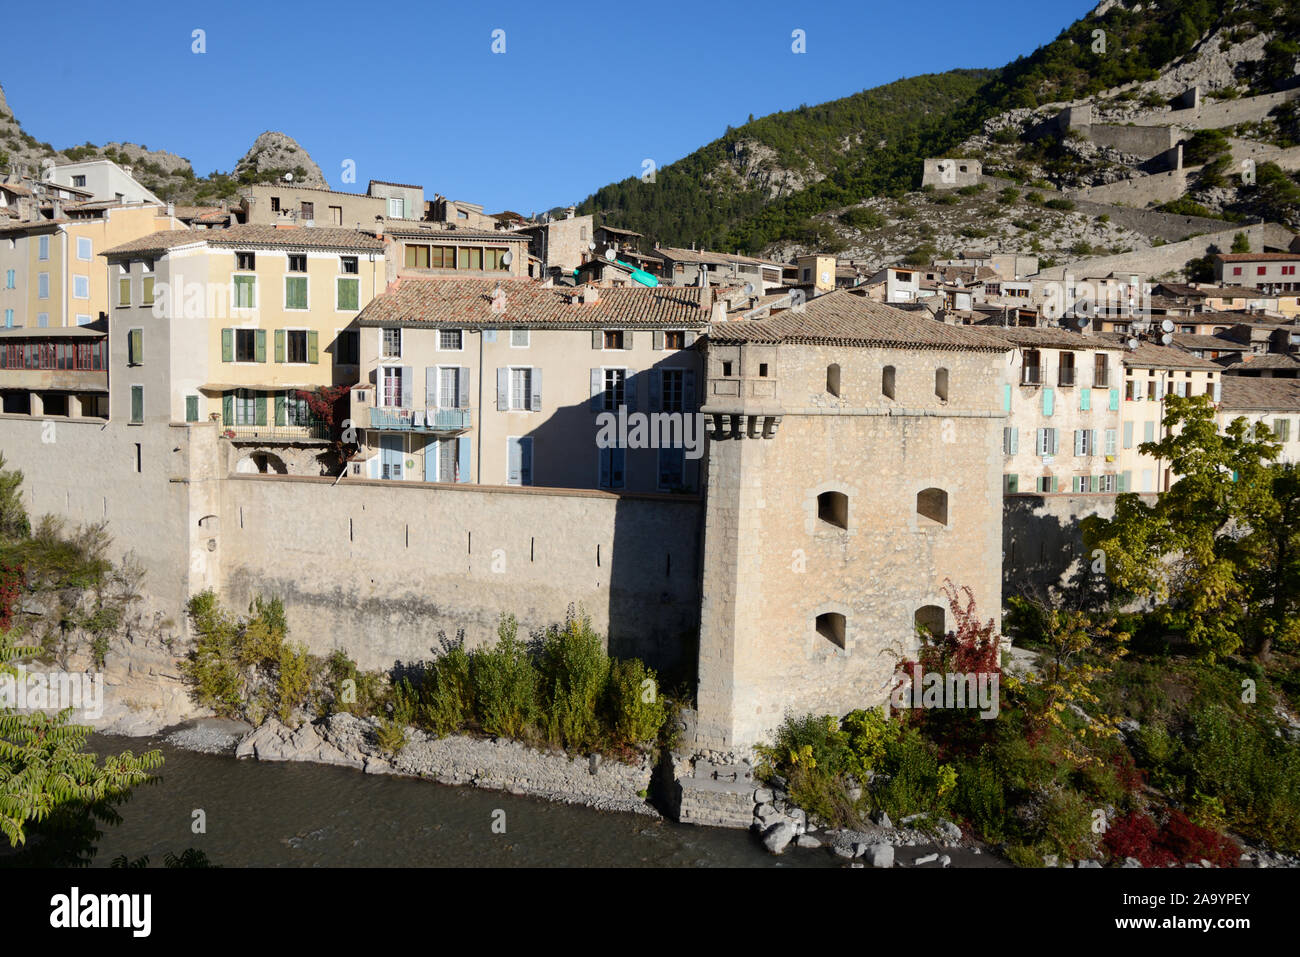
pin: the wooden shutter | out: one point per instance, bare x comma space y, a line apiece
655, 388
227, 345
408, 386
628, 337
597, 339
526, 464
1094, 483
1125, 480
191, 408
462, 458
657, 340
690, 339
605, 455
1128, 435
1078, 441
514, 461
1114, 399
279, 345
137, 403
1012, 484
1049, 400
535, 390
280, 416
431, 387
462, 380
597, 389
259, 345
629, 390
228, 409
1085, 399
1055, 436
688, 391
503, 389
1006, 398
313, 345
261, 408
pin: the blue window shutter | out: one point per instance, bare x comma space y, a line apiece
1006, 398
228, 409
503, 389
1095, 484
688, 391
430, 387
1078, 441
1049, 399
431, 462
514, 461
462, 381
604, 455
656, 380
260, 404
1085, 400
535, 391
1124, 479
462, 458
597, 389
1114, 399
281, 417
1128, 435
526, 465
1055, 436
408, 386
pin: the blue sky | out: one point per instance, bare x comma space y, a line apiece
581, 96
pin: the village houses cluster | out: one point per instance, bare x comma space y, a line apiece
386, 337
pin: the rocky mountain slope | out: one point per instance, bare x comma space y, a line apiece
167, 174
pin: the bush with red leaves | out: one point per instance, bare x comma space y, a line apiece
1178, 841
12, 579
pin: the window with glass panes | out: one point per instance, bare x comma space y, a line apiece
521, 383
245, 292
449, 387
519, 338
295, 343
673, 390
348, 265
245, 407
494, 259
349, 294
675, 339
449, 339
469, 258
296, 410
672, 466
615, 385
297, 262
392, 344
392, 386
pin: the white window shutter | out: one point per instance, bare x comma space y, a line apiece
503, 389
535, 391
629, 390
597, 389
462, 382
430, 387
408, 386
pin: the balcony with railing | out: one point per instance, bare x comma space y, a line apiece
420, 420
314, 433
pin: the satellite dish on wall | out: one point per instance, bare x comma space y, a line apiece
507, 257
611, 251
1166, 339
591, 246
1167, 325
288, 177
1081, 322
1132, 343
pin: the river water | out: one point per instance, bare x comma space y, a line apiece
273, 814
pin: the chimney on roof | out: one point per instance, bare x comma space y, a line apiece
590, 294
171, 209
706, 299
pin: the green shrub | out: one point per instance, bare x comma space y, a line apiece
449, 703
1065, 205
574, 672
505, 683
981, 798
1034, 197
637, 709
293, 680
919, 783
1007, 196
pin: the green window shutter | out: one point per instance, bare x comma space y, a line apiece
228, 409
280, 418
348, 295
191, 408
1012, 484
261, 408
259, 345
295, 292
1006, 398
279, 345
1095, 484
1049, 401
1114, 400
227, 345
1085, 400
137, 403
1124, 479
313, 346
1053, 487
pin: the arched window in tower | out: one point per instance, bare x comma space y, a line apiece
932, 506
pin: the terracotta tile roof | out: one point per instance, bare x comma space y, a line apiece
460, 302
384, 182
1268, 360
1251, 394
1188, 340
408, 229
1257, 257
18, 189
299, 237
710, 258
844, 318
1149, 355
1049, 337
620, 232
1185, 291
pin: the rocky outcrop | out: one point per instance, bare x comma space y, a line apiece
274, 153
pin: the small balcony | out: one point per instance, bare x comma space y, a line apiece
421, 420
313, 434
